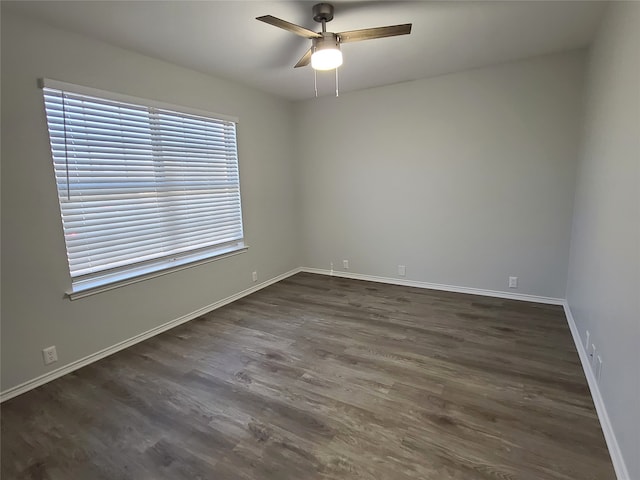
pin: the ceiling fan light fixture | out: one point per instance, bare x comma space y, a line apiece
326, 52
327, 59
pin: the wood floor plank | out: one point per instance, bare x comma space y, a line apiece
324, 378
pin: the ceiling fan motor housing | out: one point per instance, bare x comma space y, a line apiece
328, 40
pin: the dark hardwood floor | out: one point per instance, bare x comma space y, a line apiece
319, 377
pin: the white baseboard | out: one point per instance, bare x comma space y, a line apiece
438, 286
70, 367
607, 429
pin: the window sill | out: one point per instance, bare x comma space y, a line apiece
98, 285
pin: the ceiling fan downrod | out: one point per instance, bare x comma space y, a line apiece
323, 13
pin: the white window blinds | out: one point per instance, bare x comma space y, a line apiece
140, 185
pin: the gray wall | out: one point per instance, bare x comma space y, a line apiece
34, 270
465, 178
603, 289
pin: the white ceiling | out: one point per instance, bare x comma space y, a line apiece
224, 39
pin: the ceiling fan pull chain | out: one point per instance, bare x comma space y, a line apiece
337, 82
315, 81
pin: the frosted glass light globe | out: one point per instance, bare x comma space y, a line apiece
326, 59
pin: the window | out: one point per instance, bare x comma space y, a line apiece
142, 188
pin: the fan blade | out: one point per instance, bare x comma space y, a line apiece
290, 27
377, 32
305, 60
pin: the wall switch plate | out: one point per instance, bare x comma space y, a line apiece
513, 282
254, 275
49, 355
402, 270
345, 264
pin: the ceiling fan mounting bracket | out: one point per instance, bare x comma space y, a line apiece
323, 12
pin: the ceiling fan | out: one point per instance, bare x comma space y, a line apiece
325, 53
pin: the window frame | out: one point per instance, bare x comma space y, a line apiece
85, 285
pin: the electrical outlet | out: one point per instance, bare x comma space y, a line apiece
586, 341
513, 282
592, 354
331, 264
254, 275
345, 264
49, 355
402, 270
598, 371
